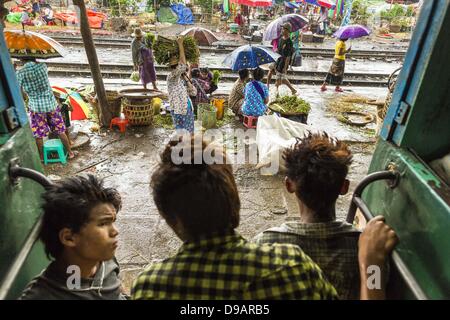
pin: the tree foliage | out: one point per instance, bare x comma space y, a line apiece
399, 15
360, 12
122, 6
205, 5
397, 11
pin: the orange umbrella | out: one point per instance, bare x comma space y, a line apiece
203, 36
23, 43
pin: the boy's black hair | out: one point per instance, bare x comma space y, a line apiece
243, 74
203, 197
258, 74
68, 204
204, 70
318, 165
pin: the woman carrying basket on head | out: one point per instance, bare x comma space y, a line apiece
179, 88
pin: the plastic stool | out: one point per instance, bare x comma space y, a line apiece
250, 122
121, 123
54, 145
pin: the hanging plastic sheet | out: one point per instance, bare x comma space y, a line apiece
226, 8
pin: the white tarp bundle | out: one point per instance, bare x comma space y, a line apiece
273, 135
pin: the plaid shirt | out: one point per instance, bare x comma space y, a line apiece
229, 267
332, 245
33, 78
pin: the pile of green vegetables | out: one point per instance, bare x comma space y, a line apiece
207, 107
228, 118
163, 121
165, 49
290, 105
150, 39
216, 77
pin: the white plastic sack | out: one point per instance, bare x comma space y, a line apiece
273, 135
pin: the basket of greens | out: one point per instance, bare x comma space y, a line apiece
165, 49
291, 107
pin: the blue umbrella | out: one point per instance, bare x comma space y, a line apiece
249, 57
352, 32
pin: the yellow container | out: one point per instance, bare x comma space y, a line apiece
156, 102
219, 104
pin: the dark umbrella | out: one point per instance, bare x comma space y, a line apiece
249, 57
203, 36
352, 32
273, 30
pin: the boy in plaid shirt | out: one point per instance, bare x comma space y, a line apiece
317, 166
200, 202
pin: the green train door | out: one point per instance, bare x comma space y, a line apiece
21, 257
414, 199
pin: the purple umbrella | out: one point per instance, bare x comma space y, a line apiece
352, 32
273, 30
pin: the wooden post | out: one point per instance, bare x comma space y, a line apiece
105, 113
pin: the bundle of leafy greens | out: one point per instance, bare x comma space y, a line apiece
290, 105
216, 77
165, 49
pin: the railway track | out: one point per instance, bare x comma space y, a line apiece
306, 51
122, 71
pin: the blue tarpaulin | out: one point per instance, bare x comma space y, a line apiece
184, 14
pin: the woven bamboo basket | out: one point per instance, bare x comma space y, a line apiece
138, 112
137, 105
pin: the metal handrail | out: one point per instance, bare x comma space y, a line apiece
16, 172
358, 202
380, 175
